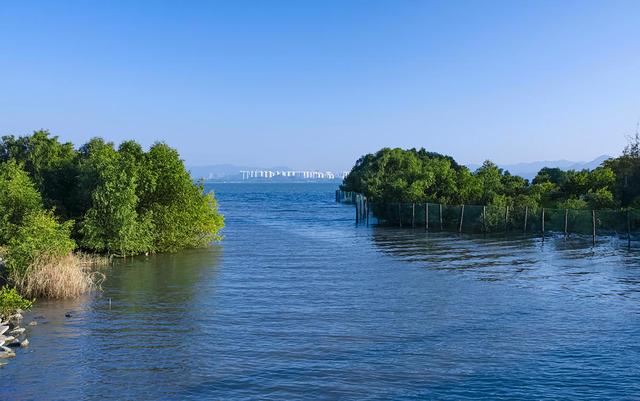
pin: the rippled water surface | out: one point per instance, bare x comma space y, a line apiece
297, 302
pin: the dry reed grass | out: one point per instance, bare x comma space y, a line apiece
66, 277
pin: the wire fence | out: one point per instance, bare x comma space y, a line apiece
473, 219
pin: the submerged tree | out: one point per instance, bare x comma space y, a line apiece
183, 215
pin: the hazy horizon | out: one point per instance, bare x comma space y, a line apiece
478, 164
317, 85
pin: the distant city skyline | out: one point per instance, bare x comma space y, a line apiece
527, 170
319, 84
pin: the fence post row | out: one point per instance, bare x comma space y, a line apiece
363, 210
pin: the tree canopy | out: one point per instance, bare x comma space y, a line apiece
120, 201
398, 175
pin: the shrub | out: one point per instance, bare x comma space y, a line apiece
194, 225
11, 301
573, 203
39, 237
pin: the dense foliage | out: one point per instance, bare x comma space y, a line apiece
125, 201
11, 302
397, 175
39, 236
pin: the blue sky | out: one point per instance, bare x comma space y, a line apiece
317, 84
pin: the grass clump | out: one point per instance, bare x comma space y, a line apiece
60, 277
40, 259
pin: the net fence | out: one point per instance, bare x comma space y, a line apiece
474, 219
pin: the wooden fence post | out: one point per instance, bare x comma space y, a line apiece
566, 222
543, 224
461, 219
484, 219
400, 214
413, 215
628, 230
364, 207
506, 219
593, 218
357, 215
426, 216
526, 215
366, 211
440, 216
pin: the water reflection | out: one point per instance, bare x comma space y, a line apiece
145, 327
572, 264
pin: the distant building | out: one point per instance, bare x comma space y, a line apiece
311, 175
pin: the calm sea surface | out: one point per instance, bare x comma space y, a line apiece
297, 302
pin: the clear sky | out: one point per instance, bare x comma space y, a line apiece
316, 84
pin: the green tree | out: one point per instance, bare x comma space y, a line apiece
545, 193
601, 198
490, 178
553, 175
112, 224
92, 158
183, 215
576, 184
50, 164
626, 169
18, 198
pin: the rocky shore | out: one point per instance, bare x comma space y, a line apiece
12, 336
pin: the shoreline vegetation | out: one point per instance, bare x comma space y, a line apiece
66, 211
395, 176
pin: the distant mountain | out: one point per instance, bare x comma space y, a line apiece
530, 169
222, 171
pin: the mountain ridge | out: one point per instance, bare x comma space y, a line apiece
530, 169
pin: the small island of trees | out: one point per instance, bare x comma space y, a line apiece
59, 204
397, 176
